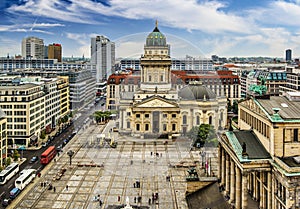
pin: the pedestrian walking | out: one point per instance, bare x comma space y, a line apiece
134, 199
119, 198
54, 189
133, 185
149, 201
67, 187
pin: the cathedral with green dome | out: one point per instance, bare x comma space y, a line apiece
156, 107
156, 38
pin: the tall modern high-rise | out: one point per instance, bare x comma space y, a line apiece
33, 47
103, 56
54, 52
288, 55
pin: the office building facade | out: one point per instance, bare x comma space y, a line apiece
3, 138
103, 56
55, 51
32, 104
288, 55
33, 47
82, 87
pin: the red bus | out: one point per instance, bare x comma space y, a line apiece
48, 155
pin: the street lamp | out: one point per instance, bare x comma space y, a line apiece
70, 153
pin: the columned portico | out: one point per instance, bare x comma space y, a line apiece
245, 190
238, 188
232, 181
227, 183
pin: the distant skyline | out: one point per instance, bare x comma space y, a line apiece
198, 28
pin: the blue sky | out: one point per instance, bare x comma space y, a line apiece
193, 27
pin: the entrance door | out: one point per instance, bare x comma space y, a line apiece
155, 122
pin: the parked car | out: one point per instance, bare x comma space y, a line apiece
14, 193
45, 144
59, 148
6, 202
34, 159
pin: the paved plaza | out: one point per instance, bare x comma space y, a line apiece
113, 174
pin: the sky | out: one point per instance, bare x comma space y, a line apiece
198, 28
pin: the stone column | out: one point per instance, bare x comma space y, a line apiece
220, 162
261, 188
256, 186
273, 195
269, 206
232, 181
245, 191
227, 182
238, 188
223, 168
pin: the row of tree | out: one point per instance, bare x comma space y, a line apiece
101, 116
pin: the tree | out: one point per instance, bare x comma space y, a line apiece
203, 134
7, 161
43, 134
235, 107
16, 155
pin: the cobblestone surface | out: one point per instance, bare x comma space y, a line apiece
113, 174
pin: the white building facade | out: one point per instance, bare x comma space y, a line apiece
103, 56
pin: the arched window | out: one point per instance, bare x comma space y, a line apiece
210, 120
197, 120
184, 119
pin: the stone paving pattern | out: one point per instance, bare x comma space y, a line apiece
111, 173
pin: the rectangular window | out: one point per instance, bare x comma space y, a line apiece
128, 113
138, 127
173, 115
164, 127
137, 115
128, 124
173, 127
296, 137
161, 78
165, 115
147, 116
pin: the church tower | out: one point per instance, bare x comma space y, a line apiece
156, 63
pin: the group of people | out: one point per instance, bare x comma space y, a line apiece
156, 154
50, 187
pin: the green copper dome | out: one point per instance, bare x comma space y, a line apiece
156, 38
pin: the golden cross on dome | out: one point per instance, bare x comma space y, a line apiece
156, 23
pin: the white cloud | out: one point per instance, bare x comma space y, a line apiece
34, 27
264, 30
186, 14
9, 46
278, 13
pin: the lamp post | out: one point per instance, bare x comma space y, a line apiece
70, 153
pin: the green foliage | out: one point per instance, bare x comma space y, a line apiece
43, 134
235, 107
203, 134
7, 161
16, 155
101, 116
65, 119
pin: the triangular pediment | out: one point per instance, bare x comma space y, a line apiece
253, 106
154, 102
